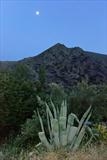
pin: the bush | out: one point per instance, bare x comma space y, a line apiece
29, 133
83, 95
101, 129
17, 102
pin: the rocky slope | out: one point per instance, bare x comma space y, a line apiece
66, 66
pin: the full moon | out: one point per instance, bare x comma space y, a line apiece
37, 13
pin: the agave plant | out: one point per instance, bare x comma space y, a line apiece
62, 131
1, 155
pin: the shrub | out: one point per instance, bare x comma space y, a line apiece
17, 102
29, 133
83, 95
101, 129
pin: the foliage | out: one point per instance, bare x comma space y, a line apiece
17, 102
22, 72
29, 133
57, 94
41, 83
83, 95
62, 131
101, 129
100, 103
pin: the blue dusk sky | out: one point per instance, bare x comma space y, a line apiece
25, 32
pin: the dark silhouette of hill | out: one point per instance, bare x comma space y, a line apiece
65, 66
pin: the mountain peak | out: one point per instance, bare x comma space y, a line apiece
62, 46
55, 49
78, 49
58, 45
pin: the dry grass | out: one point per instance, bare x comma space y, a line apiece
94, 153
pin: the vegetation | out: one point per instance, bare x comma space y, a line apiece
83, 95
101, 129
62, 131
17, 102
94, 152
20, 123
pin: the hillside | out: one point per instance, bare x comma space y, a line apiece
66, 66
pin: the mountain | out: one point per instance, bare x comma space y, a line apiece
65, 66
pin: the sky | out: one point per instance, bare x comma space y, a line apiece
24, 32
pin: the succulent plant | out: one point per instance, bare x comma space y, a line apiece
62, 131
1, 155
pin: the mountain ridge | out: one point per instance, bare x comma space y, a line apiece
66, 66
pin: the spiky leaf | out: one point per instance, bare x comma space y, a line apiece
44, 141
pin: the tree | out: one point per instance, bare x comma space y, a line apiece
83, 95
17, 101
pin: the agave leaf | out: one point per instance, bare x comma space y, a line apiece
58, 112
63, 138
50, 117
71, 134
45, 141
63, 131
71, 118
63, 110
49, 111
79, 138
63, 116
54, 109
49, 127
83, 121
89, 130
87, 119
62, 123
41, 122
75, 117
84, 117
1, 155
55, 132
